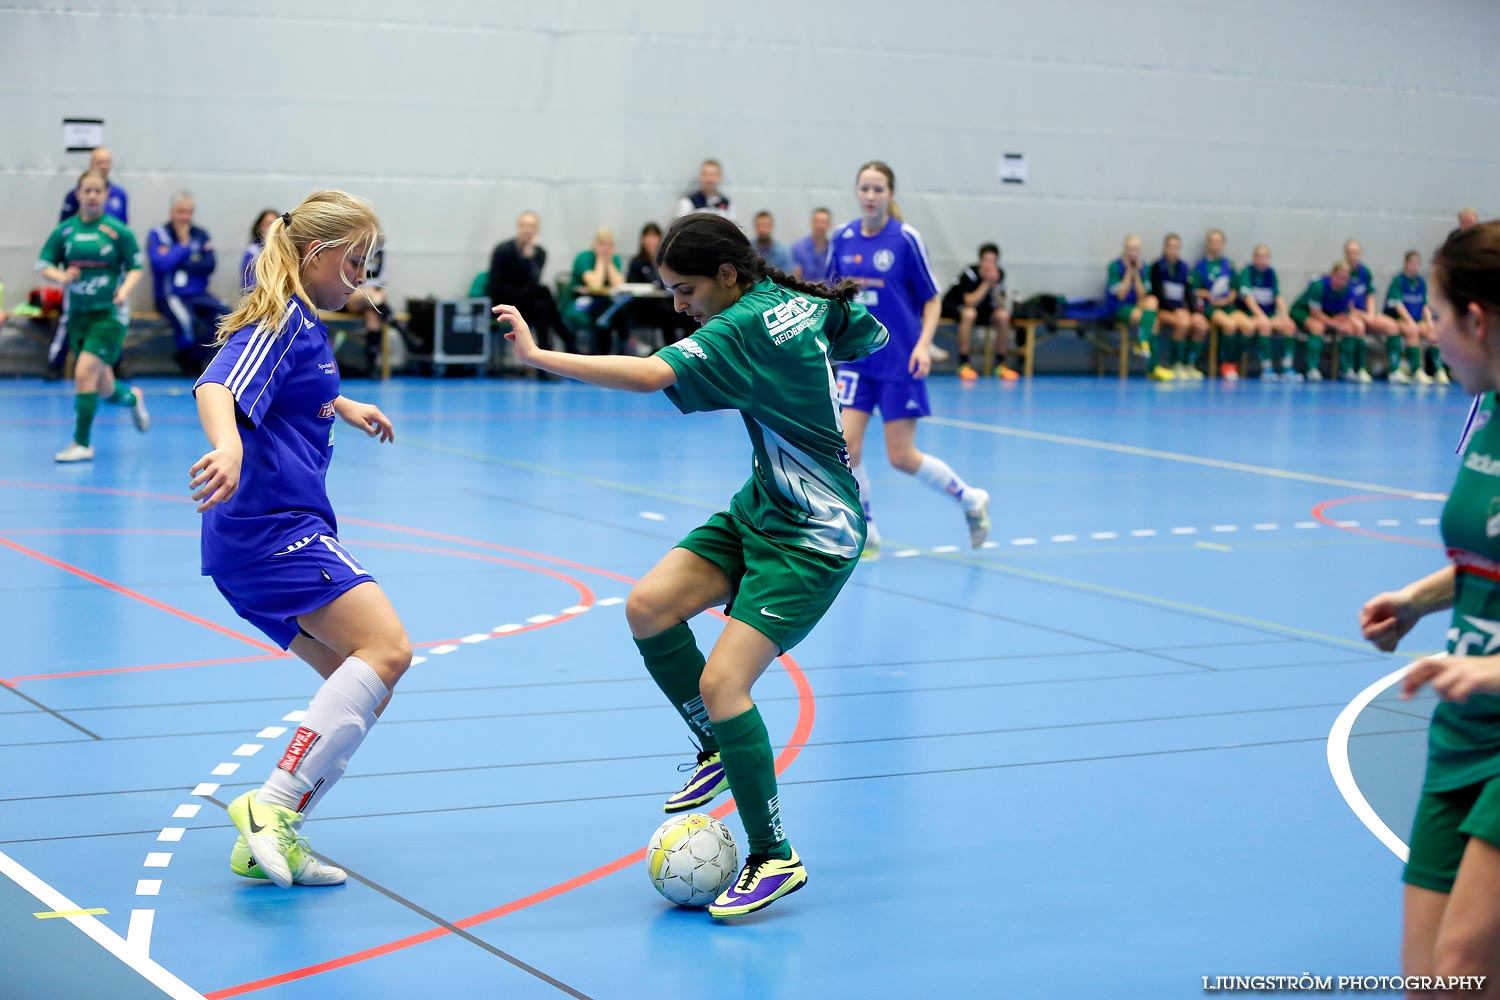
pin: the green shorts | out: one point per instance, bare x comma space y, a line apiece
780, 590
98, 332
1122, 314
1445, 822
1299, 317
1209, 312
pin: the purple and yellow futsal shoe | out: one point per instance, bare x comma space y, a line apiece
763, 881
708, 780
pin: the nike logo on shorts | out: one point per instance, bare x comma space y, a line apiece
768, 614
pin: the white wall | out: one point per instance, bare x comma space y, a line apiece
1294, 122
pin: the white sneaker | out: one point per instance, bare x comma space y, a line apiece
1399, 377
1363, 375
1194, 373
977, 513
138, 412
1441, 378
1422, 378
75, 452
1313, 375
310, 870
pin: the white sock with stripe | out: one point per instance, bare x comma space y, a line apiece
340, 715
937, 474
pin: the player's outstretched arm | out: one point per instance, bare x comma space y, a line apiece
216, 475
608, 372
1386, 618
366, 416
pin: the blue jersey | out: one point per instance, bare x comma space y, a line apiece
177, 268
1410, 292
896, 281
1361, 284
284, 387
1170, 284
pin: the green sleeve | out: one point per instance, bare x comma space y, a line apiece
52, 250
1116, 275
861, 335
130, 250
1393, 294
1242, 283
713, 369
582, 263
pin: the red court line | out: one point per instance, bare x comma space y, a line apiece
486, 545
137, 596
806, 711
1318, 514
278, 655
103, 490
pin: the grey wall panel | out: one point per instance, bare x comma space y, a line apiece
1292, 123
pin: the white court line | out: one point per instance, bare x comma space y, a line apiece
206, 788
576, 609
946, 548
271, 732
441, 650
1065, 538
107, 939
1023, 541
539, 619
1103, 534
1267, 526
158, 859
248, 749
186, 812
1143, 533
503, 629
148, 887
225, 770
652, 515
171, 834
907, 553
1172, 456
296, 716
611, 600
476, 637
1343, 775
138, 934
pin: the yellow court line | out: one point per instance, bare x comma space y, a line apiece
1172, 456
1213, 545
50, 914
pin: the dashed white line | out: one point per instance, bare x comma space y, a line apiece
611, 600
171, 834
1387, 522
503, 629
205, 789
442, 650
476, 637
946, 548
186, 812
148, 887
1267, 526
248, 749
1427, 520
576, 609
652, 515
1143, 533
1307, 524
158, 860
414, 661
1347, 524
296, 716
225, 770
1184, 531
907, 553
271, 732
1104, 535
1065, 538
990, 545
1226, 527
539, 619
1023, 541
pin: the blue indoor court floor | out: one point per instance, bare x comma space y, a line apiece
1134, 742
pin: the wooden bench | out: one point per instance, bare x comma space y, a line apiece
1038, 329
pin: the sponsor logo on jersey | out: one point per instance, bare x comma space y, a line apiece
1482, 639
1481, 463
883, 260
326, 413
689, 346
302, 742
790, 318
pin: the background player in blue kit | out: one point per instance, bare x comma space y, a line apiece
888, 260
270, 540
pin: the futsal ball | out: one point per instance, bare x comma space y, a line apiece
691, 859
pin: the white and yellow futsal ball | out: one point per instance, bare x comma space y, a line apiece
691, 858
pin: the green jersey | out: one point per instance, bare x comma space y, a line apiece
770, 356
102, 250
1262, 286
1463, 741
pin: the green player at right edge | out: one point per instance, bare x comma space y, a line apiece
792, 535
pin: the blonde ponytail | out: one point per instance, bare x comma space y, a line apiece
324, 220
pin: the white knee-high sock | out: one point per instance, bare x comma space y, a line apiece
862, 480
937, 474
340, 715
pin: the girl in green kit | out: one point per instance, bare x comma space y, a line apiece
97, 260
1452, 895
792, 534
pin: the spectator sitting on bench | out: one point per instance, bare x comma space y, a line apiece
653, 313
254, 247
515, 279
765, 245
1177, 310
977, 298
1270, 324
182, 260
596, 274
1131, 303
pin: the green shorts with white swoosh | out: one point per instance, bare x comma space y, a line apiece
780, 589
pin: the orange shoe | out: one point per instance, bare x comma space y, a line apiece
1008, 374
967, 373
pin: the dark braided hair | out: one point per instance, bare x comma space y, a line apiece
698, 243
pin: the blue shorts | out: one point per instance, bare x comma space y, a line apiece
897, 399
272, 593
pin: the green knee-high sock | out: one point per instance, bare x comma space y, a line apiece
1314, 352
1434, 356
1357, 353
85, 405
751, 769
1346, 354
1192, 348
1175, 353
1286, 348
1236, 348
1262, 348
1148, 334
1393, 351
123, 395
1414, 359
676, 665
